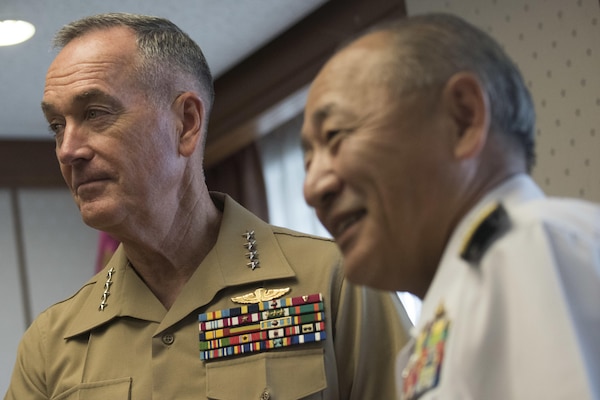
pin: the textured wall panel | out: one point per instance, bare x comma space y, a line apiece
557, 47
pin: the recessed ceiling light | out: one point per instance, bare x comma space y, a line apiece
13, 32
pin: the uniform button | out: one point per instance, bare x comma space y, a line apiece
168, 339
265, 395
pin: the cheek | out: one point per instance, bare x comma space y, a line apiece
65, 170
163, 157
372, 152
356, 164
149, 137
370, 260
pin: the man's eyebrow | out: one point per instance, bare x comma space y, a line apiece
84, 97
323, 112
328, 109
90, 94
47, 108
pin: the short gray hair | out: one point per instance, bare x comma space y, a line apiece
163, 49
430, 48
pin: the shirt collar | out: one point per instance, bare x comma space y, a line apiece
224, 266
516, 190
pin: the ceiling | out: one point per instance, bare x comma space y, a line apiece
226, 30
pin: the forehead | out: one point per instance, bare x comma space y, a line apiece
361, 62
354, 78
114, 42
99, 59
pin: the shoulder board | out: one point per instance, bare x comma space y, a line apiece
492, 224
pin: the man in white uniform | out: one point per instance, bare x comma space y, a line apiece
418, 140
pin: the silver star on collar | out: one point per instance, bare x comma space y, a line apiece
106, 293
252, 254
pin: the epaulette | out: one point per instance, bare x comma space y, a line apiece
493, 223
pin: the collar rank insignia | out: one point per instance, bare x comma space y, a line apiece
106, 293
252, 254
425, 364
492, 224
261, 326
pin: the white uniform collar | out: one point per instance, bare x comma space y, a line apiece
513, 191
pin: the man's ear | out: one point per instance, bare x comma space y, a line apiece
190, 112
469, 108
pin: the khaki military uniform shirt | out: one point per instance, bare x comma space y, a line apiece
137, 349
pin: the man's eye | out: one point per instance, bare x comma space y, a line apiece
91, 114
331, 134
55, 128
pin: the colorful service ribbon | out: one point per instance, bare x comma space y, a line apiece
263, 326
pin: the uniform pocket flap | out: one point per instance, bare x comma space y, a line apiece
283, 375
114, 389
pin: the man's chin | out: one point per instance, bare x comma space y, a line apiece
96, 216
362, 271
94, 222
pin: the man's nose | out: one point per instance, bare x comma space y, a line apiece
72, 145
321, 182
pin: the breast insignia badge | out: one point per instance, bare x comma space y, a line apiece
259, 295
265, 322
424, 367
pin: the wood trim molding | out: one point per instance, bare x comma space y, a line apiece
268, 78
252, 98
29, 163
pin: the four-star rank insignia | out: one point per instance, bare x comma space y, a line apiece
252, 254
425, 364
263, 325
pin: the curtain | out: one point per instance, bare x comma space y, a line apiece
106, 247
283, 170
241, 177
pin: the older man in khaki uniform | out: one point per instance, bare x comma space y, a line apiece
202, 299
137, 349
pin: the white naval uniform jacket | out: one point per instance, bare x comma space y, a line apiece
523, 322
135, 349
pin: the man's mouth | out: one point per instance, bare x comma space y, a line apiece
346, 222
88, 182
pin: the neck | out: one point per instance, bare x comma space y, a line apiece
468, 187
167, 262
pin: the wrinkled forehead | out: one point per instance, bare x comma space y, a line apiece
362, 62
355, 71
96, 61
115, 43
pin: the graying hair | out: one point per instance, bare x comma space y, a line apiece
166, 52
430, 48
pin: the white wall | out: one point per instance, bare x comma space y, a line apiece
12, 313
60, 255
60, 248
